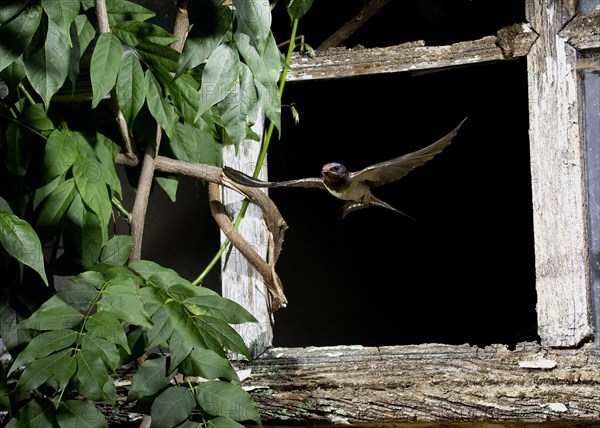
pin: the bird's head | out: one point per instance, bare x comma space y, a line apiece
335, 173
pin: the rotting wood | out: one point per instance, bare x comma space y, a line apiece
427, 386
511, 42
559, 192
583, 32
240, 281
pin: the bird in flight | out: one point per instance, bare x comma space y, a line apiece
355, 187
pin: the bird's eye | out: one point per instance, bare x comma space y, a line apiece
336, 168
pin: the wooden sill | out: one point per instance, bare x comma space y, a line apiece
427, 385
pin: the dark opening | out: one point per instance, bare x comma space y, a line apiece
463, 270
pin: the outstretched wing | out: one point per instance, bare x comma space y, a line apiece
394, 169
246, 180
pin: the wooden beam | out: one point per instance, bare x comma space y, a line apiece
583, 32
428, 386
510, 42
559, 191
240, 282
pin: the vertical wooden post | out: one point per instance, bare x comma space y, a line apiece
558, 179
240, 282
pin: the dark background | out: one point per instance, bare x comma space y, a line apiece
463, 270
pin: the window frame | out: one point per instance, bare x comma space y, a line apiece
551, 41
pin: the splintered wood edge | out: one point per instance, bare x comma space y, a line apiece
510, 42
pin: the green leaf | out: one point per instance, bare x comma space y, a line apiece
224, 399
121, 299
159, 56
4, 206
111, 272
102, 347
82, 34
116, 251
159, 107
58, 366
207, 302
78, 293
224, 422
209, 28
150, 378
56, 205
297, 8
92, 379
88, 175
106, 326
85, 32
106, 151
161, 329
232, 117
209, 365
185, 95
172, 407
120, 10
48, 66
16, 35
60, 153
219, 76
20, 241
147, 268
36, 413
35, 117
270, 102
169, 184
196, 145
53, 317
84, 234
18, 150
79, 414
43, 192
131, 87
62, 13
43, 345
104, 67
254, 19
11, 9
265, 70
14, 338
213, 329
132, 33
13, 74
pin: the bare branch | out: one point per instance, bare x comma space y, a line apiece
354, 24
265, 269
275, 222
140, 205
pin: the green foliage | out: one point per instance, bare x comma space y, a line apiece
58, 188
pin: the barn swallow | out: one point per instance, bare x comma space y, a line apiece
355, 187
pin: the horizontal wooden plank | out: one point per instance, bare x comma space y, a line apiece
510, 42
427, 385
583, 32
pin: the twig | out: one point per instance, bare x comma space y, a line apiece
263, 268
354, 24
140, 205
273, 219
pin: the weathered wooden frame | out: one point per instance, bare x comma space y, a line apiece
441, 385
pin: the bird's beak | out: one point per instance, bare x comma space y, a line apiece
327, 170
